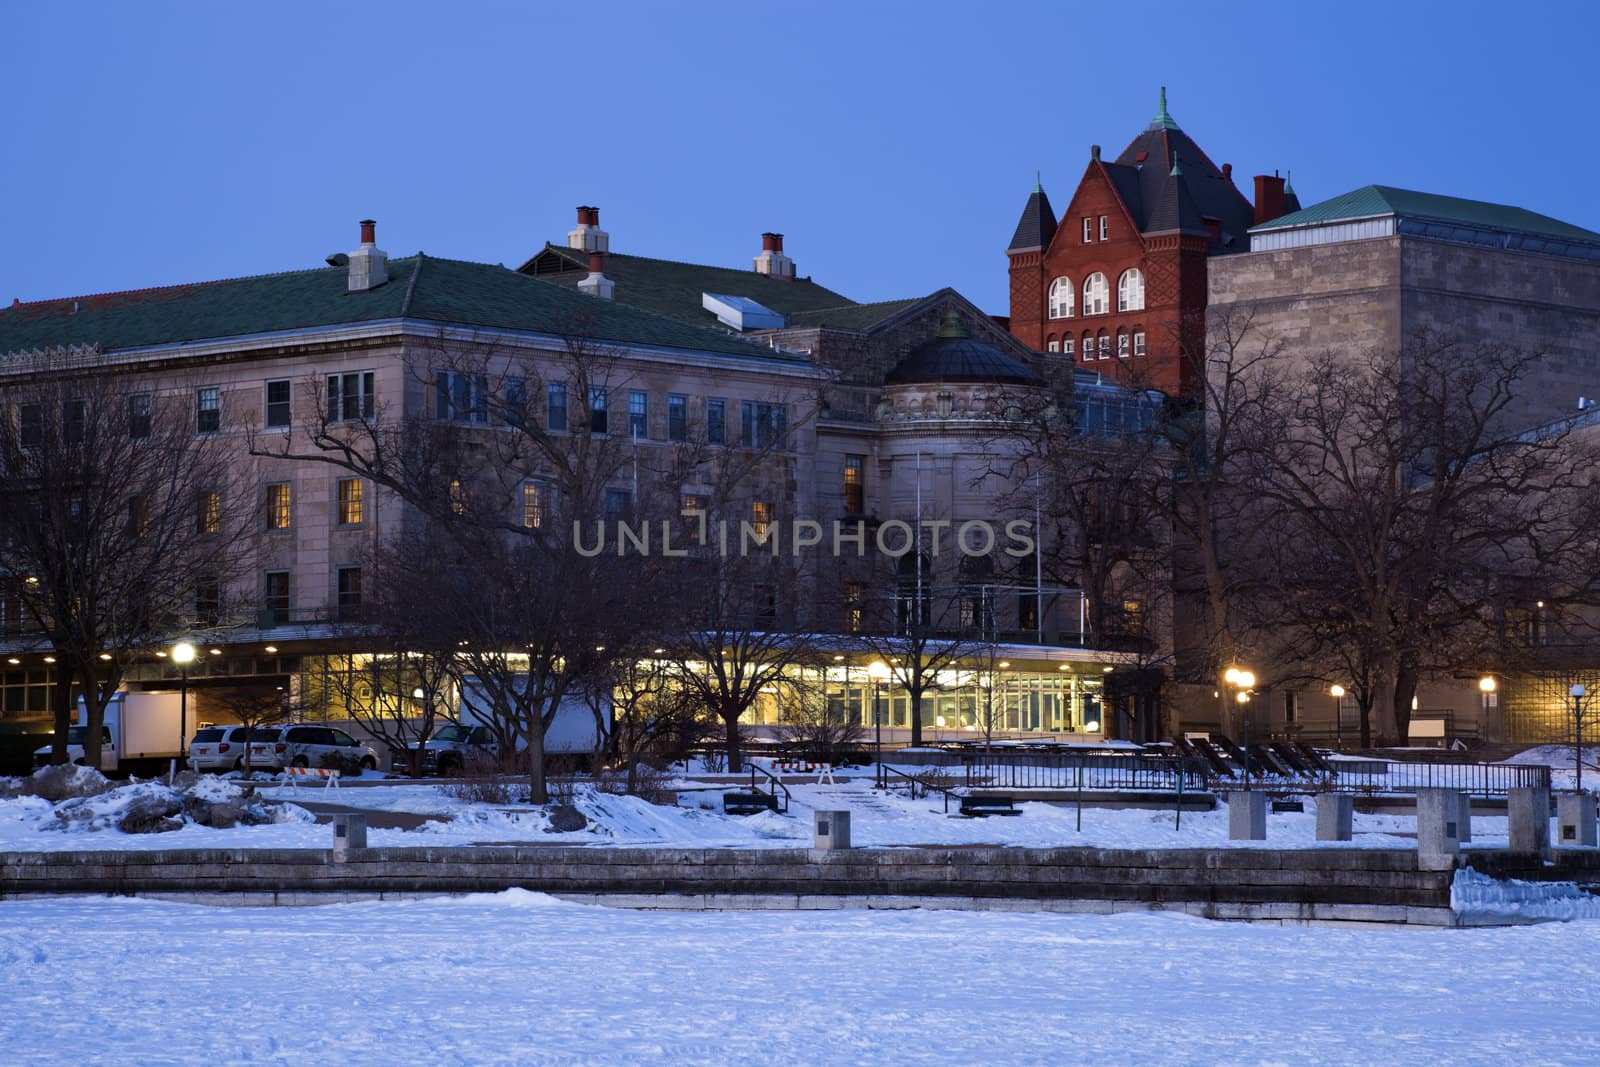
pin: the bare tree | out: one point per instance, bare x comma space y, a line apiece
118, 524
254, 707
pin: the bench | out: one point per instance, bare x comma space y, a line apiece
748, 803
979, 807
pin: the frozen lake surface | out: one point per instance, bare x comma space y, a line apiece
519, 977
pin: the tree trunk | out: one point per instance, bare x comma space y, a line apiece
735, 761
1405, 689
61, 710
94, 725
914, 695
538, 790
1365, 707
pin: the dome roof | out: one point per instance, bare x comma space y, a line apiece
953, 356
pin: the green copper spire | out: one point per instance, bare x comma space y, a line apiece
1175, 169
1163, 121
1038, 183
952, 325
1288, 185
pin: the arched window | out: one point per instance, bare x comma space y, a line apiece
1130, 290
1122, 344
1067, 345
1102, 341
1061, 297
1051, 344
1088, 347
1096, 294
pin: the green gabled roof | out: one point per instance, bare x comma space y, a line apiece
1376, 201
675, 289
853, 316
446, 291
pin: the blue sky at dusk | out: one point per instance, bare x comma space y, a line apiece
893, 143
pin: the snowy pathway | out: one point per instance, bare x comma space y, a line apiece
520, 978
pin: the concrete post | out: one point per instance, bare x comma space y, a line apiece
1335, 816
831, 829
1438, 829
1247, 815
1528, 813
1464, 824
1575, 820
349, 832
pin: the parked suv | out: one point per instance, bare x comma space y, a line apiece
310, 746
221, 748
449, 750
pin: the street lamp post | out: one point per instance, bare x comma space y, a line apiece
1337, 692
183, 655
1244, 681
878, 670
1578, 694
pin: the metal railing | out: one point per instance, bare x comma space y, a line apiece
1086, 771
775, 787
1480, 779
888, 776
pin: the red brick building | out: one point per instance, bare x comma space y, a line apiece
1119, 284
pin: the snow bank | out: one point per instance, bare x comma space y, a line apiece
1475, 894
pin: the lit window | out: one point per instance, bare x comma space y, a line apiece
278, 506
458, 497
350, 501
1122, 344
1138, 342
1062, 296
855, 595
208, 410
1066, 346
1130, 290
208, 512
1052, 345
761, 519
696, 506
532, 505
278, 403
1088, 230
855, 496
1102, 342
350, 396
1104, 232
1096, 294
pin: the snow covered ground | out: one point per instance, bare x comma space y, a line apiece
520, 978
30, 824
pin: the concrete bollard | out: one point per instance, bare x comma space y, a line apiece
1438, 829
1247, 815
349, 832
831, 829
1335, 817
1464, 824
1575, 820
1528, 813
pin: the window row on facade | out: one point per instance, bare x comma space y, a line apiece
1099, 345
1097, 294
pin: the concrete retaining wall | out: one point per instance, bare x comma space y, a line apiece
1281, 885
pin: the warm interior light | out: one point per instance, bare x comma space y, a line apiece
1064, 667
657, 651
49, 659
272, 649
216, 651
1107, 669
838, 659
1336, 690
1487, 684
105, 656
13, 661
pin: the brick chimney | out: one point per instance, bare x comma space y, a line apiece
1269, 198
597, 284
369, 265
772, 262
588, 236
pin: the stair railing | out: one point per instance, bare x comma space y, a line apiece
776, 786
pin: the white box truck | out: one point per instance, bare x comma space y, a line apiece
573, 732
142, 733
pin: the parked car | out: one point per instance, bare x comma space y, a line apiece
449, 750
222, 748
310, 746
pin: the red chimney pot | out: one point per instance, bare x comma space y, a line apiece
597, 262
369, 231
772, 242
1270, 203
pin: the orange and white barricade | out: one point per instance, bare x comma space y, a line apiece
329, 776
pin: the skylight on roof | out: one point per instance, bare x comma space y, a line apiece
740, 312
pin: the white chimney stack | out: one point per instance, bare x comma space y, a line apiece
588, 236
596, 284
772, 262
369, 265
